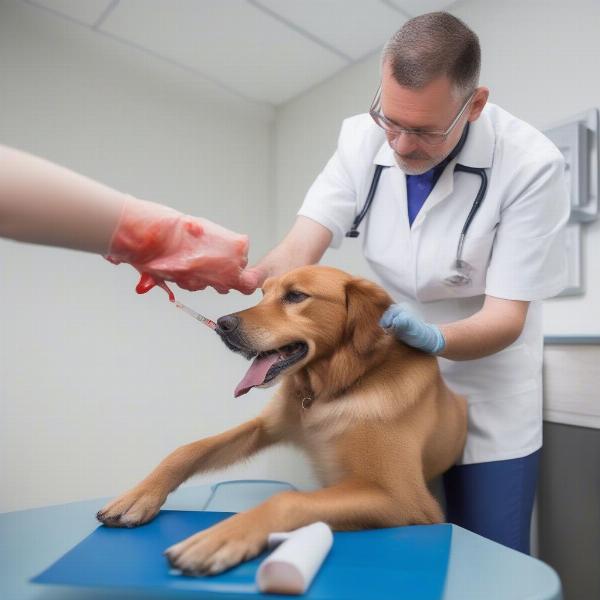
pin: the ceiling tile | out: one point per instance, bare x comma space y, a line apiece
420, 7
354, 27
228, 41
86, 12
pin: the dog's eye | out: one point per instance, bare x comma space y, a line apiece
294, 297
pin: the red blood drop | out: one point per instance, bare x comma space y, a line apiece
165, 287
145, 284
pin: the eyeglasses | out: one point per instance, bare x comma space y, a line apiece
430, 138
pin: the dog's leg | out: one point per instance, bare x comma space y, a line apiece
142, 503
359, 504
348, 505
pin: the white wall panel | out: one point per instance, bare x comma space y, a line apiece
84, 11
230, 41
419, 7
355, 27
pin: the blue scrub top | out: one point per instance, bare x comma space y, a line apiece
418, 187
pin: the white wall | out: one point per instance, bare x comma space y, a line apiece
97, 384
539, 61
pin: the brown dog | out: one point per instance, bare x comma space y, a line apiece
373, 414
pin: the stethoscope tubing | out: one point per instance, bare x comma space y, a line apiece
354, 233
476, 204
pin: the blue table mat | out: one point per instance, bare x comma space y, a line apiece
399, 562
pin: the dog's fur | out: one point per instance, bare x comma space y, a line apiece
378, 423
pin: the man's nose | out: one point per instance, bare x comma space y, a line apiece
402, 142
228, 323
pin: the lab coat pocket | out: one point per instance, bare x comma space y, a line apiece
507, 373
476, 253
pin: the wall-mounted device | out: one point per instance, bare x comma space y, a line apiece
577, 138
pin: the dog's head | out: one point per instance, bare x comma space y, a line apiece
306, 315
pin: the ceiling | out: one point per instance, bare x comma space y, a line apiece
266, 51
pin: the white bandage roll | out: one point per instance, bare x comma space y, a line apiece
291, 568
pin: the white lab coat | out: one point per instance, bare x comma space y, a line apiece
515, 244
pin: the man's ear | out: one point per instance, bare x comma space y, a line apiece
478, 103
365, 303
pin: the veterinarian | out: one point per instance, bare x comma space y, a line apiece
465, 230
44, 203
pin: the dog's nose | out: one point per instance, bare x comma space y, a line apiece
228, 323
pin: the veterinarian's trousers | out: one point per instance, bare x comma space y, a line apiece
494, 499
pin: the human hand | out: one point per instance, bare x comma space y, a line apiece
166, 245
411, 330
251, 279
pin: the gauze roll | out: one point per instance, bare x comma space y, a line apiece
291, 568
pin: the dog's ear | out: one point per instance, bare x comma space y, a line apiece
365, 303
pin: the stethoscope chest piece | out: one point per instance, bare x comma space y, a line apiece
462, 274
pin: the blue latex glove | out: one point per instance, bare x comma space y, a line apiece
411, 330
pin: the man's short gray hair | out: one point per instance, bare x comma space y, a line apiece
433, 45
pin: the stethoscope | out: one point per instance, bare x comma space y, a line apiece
462, 269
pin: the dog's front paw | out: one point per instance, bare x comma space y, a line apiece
218, 548
133, 508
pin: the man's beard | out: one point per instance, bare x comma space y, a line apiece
428, 163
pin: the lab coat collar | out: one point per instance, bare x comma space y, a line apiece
478, 150
385, 156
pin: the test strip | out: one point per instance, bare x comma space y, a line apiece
196, 315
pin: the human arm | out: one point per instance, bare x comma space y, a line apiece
44, 203
328, 209
495, 326
304, 244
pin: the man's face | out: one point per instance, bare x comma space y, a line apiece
433, 108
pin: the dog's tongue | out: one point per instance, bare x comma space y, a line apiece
256, 374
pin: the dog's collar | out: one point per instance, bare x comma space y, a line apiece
305, 393
306, 402
306, 396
